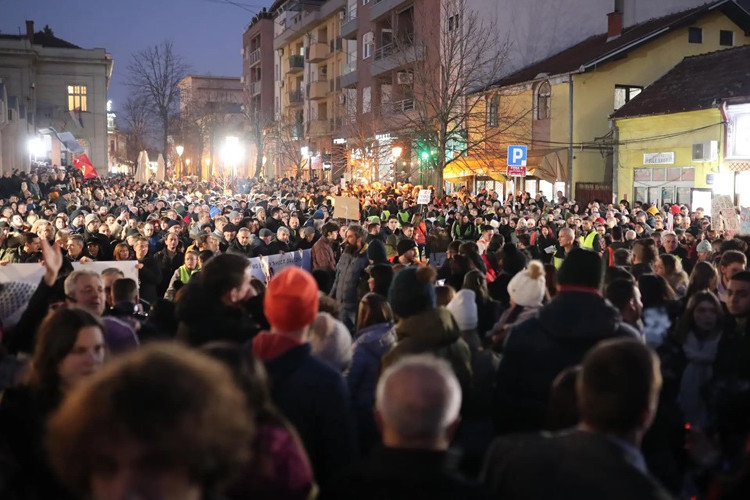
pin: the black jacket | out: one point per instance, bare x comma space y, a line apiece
572, 464
149, 277
538, 349
408, 474
167, 265
237, 249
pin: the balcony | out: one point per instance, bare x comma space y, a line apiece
254, 88
254, 57
383, 8
317, 52
318, 127
350, 77
397, 107
296, 64
318, 89
310, 14
350, 25
295, 98
390, 57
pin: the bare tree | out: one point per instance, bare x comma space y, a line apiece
154, 74
289, 141
456, 58
259, 127
137, 120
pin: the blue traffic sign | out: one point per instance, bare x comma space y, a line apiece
517, 156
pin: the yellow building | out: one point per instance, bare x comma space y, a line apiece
688, 132
562, 105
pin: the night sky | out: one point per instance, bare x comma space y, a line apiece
206, 33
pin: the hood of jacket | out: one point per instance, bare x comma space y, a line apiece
430, 329
377, 338
579, 315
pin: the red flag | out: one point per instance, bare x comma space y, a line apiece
85, 166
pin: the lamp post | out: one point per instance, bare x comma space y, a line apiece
187, 166
207, 163
231, 153
396, 153
180, 149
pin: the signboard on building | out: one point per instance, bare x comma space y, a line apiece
517, 155
658, 158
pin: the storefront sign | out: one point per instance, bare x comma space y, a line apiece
658, 158
709, 179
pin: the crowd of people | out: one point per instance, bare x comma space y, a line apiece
473, 347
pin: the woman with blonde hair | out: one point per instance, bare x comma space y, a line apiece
670, 268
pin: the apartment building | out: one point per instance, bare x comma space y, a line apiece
258, 87
53, 94
344, 69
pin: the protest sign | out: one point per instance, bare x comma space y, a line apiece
424, 196
346, 207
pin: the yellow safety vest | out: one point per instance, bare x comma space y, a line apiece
558, 262
588, 240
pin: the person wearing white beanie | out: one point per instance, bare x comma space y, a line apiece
527, 290
463, 307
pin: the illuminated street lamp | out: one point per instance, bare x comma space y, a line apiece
232, 152
36, 148
187, 166
179, 150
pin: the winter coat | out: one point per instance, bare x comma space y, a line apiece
322, 256
435, 332
237, 249
149, 278
538, 349
349, 272
314, 397
362, 377
168, 265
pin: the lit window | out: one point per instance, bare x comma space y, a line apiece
624, 93
77, 100
368, 40
493, 111
543, 94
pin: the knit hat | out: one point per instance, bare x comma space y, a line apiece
412, 291
133, 232
674, 209
528, 286
704, 247
265, 232
404, 246
376, 252
581, 268
463, 307
291, 300
91, 218
331, 341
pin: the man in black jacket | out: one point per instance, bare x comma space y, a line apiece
617, 392
149, 274
558, 337
169, 259
417, 406
241, 245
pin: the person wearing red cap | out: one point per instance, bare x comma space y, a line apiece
309, 392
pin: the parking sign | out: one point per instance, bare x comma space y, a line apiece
517, 161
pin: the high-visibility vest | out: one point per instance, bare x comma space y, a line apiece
588, 240
558, 262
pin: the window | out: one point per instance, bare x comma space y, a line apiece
366, 100
453, 22
493, 111
367, 44
726, 38
543, 94
695, 35
365, 2
111, 146
77, 98
624, 93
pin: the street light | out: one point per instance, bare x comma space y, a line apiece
187, 166
36, 148
207, 163
232, 152
179, 150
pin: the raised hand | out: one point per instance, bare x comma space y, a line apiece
52, 259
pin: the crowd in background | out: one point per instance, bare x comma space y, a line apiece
421, 356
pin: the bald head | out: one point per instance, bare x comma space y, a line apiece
417, 403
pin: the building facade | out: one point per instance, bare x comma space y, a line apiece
211, 112
54, 97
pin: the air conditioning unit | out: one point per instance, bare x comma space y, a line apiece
404, 78
342, 98
342, 15
242, 79
706, 151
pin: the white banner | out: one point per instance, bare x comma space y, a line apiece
265, 268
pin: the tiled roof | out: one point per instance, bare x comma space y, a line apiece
597, 49
43, 39
697, 82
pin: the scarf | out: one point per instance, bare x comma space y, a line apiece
700, 356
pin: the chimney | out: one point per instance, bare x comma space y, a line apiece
30, 31
614, 25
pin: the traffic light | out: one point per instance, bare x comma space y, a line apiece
425, 155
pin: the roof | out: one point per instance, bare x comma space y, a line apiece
43, 39
598, 49
697, 82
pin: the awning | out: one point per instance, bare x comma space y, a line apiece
465, 167
66, 139
550, 165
